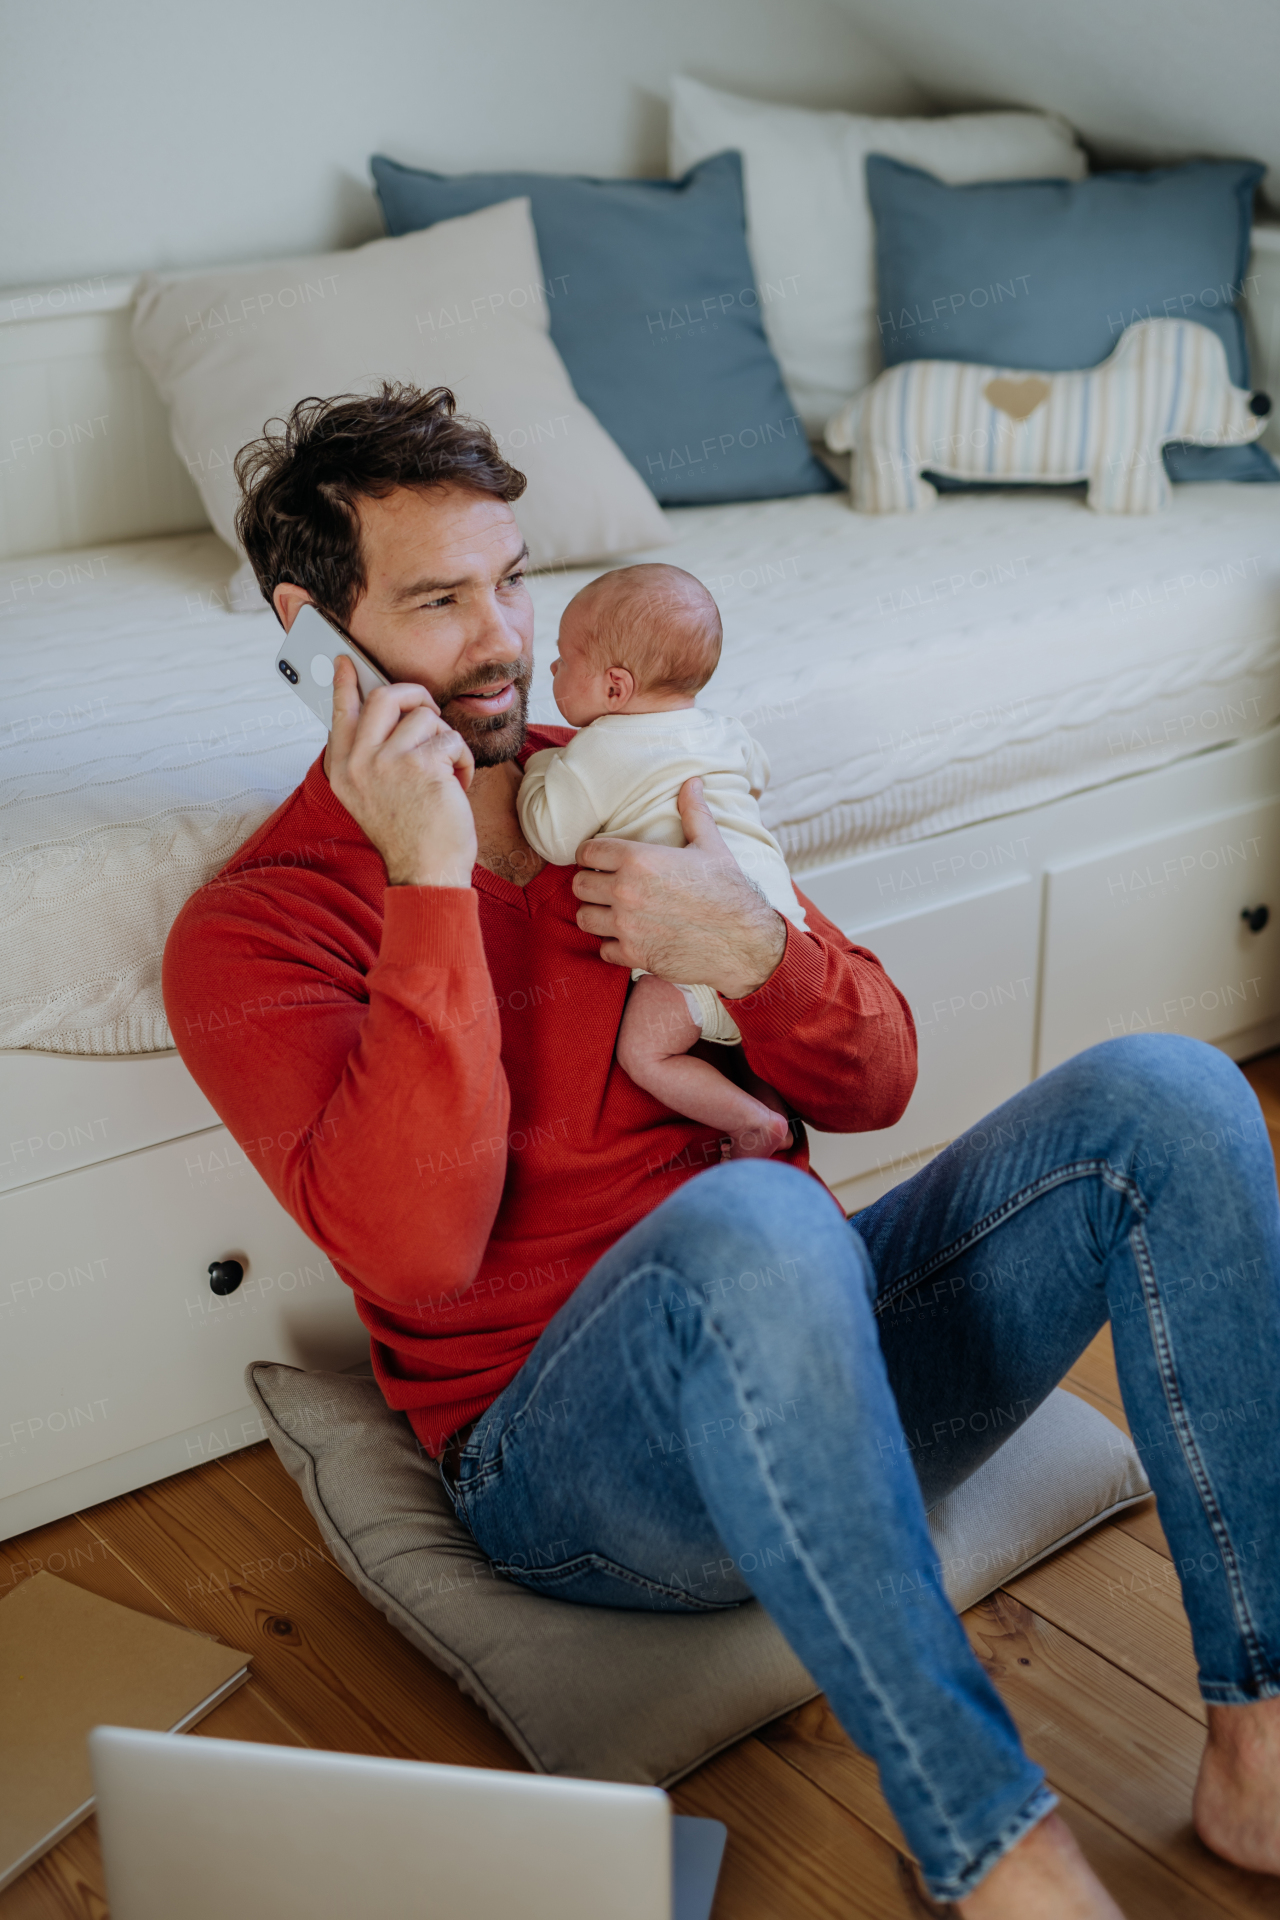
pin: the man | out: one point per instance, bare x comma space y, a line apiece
656, 1380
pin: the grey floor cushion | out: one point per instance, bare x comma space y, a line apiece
634, 1696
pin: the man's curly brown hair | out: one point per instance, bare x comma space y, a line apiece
301, 482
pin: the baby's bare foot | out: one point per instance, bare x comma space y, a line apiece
1237, 1801
768, 1135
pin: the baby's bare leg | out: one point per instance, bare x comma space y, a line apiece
653, 1043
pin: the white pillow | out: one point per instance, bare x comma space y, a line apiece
460, 305
809, 222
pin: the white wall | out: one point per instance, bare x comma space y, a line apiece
1140, 79
170, 133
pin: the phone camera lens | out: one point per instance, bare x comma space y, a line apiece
288, 672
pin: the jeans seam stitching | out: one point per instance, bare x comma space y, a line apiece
487, 1472
1043, 1183
1162, 1345
597, 1561
602, 1306
819, 1586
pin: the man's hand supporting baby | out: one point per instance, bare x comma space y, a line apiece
684, 913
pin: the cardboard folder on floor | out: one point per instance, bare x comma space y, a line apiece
70, 1661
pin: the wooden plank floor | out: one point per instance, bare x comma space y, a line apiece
1090, 1650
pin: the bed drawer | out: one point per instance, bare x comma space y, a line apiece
1149, 938
968, 969
62, 1111
111, 1337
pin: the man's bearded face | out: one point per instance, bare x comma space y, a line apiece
491, 740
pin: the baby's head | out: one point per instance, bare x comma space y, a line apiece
639, 640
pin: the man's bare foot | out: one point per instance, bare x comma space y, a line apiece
1237, 1800
768, 1134
1045, 1877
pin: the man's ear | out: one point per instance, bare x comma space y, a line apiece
619, 685
287, 600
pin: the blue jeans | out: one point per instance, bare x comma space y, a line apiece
751, 1397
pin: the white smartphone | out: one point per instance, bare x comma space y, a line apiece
306, 657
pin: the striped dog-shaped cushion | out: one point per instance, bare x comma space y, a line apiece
1166, 380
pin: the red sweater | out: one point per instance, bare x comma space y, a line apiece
425, 1079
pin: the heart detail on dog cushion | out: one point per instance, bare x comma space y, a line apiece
1018, 398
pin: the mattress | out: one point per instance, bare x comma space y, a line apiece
905, 674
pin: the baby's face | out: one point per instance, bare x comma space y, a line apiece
581, 689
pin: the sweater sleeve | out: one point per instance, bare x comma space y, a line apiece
557, 811
379, 1123
830, 1031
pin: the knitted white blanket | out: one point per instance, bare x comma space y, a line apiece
903, 675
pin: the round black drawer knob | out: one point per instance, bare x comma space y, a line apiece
225, 1275
1255, 918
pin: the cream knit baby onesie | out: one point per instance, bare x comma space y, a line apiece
621, 774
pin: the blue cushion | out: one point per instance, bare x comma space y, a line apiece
1047, 274
655, 313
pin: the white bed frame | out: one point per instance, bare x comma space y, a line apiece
1018, 941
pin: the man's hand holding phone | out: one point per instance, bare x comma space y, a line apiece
403, 776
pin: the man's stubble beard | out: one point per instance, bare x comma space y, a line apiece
500, 737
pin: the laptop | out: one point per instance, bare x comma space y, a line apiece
210, 1828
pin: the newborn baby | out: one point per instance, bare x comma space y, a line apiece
636, 645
